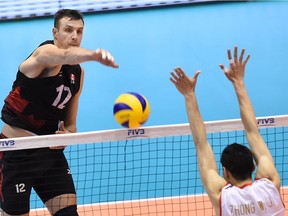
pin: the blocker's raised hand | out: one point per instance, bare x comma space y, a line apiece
183, 83
237, 66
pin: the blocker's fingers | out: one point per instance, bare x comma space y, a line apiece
235, 54
246, 60
229, 55
178, 71
174, 76
181, 71
197, 74
224, 69
242, 55
178, 74
172, 80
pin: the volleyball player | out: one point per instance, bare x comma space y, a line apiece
236, 193
46, 91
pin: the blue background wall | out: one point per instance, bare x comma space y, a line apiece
148, 44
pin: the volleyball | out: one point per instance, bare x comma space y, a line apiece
131, 110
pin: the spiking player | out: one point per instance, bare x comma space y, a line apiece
46, 91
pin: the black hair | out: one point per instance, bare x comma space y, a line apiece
238, 160
72, 14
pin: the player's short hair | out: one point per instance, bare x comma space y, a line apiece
238, 160
72, 14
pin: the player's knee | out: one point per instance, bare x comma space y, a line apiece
67, 211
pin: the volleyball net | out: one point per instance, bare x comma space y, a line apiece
150, 170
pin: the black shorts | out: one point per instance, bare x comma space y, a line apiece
45, 170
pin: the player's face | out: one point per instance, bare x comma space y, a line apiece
69, 34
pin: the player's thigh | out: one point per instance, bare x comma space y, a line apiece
56, 186
15, 180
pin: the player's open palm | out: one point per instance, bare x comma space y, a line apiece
183, 83
236, 70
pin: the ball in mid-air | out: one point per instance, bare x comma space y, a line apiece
131, 110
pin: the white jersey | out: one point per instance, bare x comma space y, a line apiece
261, 197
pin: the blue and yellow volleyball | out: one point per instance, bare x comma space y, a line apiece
131, 110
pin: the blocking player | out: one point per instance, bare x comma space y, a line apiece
236, 193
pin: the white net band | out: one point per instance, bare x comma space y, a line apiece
126, 134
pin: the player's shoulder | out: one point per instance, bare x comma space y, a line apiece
263, 181
47, 42
46, 48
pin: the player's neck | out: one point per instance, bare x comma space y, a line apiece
241, 183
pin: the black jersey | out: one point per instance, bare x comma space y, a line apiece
38, 104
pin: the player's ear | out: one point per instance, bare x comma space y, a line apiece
254, 166
54, 32
226, 173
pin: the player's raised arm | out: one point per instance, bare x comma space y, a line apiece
63, 50
50, 55
211, 180
235, 73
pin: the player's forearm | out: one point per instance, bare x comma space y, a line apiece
255, 141
76, 55
70, 56
196, 123
205, 156
246, 108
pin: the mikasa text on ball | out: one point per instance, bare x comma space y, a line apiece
131, 110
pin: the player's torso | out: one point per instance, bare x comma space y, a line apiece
50, 92
259, 198
39, 103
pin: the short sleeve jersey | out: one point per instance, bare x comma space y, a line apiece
260, 198
38, 104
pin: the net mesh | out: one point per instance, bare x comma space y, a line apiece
152, 170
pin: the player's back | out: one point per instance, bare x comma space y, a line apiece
260, 198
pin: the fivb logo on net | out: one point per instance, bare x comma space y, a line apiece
266, 121
136, 132
7, 143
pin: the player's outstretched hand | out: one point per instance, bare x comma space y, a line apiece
183, 83
236, 70
105, 58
